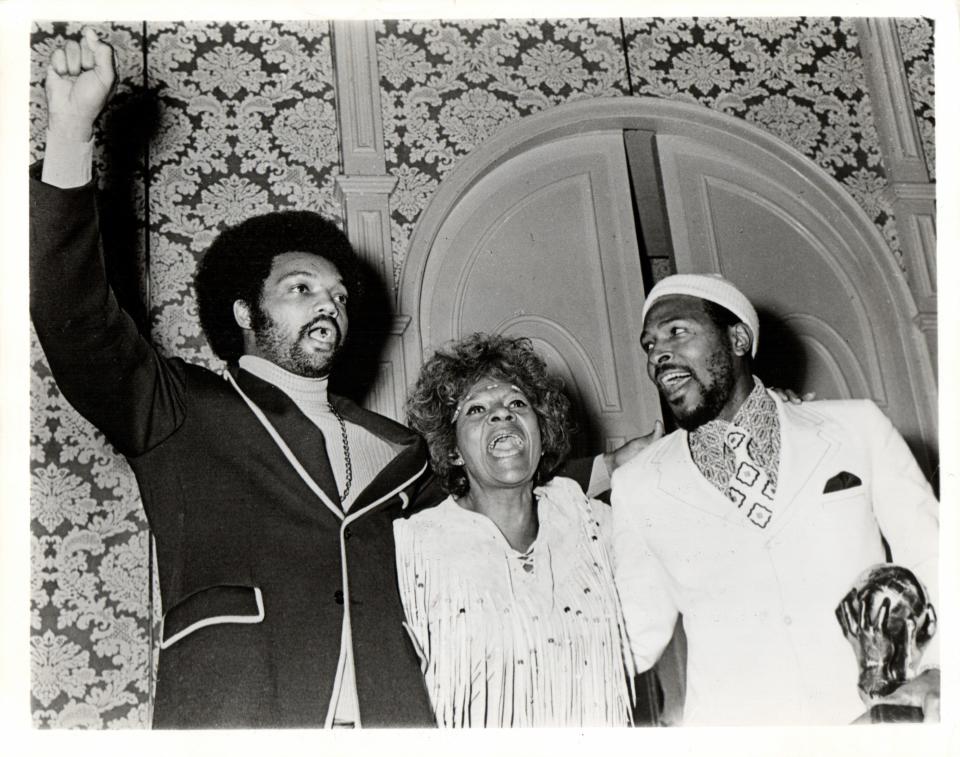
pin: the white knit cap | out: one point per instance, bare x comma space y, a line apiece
712, 287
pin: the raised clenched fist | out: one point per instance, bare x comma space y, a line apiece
79, 79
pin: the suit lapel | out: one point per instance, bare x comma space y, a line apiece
804, 447
405, 467
301, 435
306, 441
680, 479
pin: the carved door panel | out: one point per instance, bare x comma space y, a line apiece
544, 246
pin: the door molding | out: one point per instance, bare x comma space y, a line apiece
865, 257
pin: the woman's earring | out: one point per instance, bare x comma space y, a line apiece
455, 458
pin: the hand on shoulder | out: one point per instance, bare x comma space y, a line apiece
632, 448
788, 395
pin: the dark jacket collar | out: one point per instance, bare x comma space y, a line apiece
410, 464
307, 442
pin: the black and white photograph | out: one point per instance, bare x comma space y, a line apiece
561, 370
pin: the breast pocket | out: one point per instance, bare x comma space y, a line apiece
847, 510
842, 495
211, 606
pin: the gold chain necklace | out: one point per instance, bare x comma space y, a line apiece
346, 453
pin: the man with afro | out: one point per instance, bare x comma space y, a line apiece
272, 540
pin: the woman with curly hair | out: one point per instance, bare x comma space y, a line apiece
507, 585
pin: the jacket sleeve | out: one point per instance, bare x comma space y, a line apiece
905, 507
109, 373
649, 610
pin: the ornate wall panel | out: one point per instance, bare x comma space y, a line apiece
447, 86
801, 79
916, 46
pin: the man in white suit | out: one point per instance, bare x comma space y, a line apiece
754, 520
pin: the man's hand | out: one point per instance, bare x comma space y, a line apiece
788, 395
931, 705
921, 691
629, 450
79, 79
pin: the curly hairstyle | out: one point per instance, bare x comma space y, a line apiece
447, 375
238, 263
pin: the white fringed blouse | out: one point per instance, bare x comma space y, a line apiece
517, 639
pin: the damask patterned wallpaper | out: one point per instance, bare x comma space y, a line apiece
213, 122
800, 79
247, 124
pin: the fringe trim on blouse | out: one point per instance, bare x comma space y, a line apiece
501, 646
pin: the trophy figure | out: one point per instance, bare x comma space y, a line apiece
888, 620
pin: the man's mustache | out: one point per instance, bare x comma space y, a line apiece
327, 321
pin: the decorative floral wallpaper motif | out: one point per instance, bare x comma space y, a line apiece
240, 119
448, 86
916, 46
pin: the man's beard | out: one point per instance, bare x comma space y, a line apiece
714, 394
276, 346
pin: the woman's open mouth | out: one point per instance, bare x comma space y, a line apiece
505, 444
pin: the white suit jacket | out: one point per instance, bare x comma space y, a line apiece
758, 604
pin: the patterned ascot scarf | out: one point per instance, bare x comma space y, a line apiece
740, 458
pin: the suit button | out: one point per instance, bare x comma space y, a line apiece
338, 597
347, 533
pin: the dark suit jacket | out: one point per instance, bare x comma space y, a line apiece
256, 574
